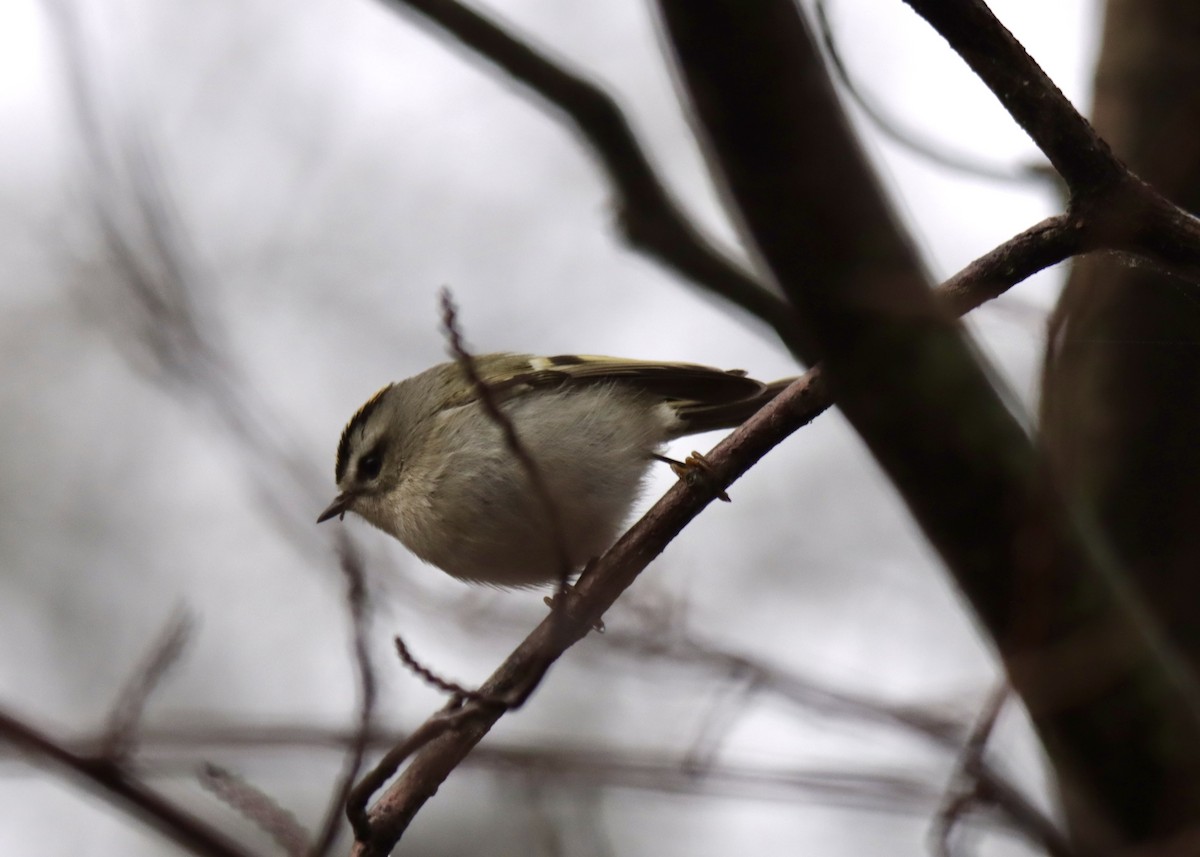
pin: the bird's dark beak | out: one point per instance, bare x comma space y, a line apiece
338, 507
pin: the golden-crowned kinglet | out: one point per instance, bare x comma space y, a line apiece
424, 461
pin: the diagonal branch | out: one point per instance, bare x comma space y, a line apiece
443, 742
357, 604
516, 448
650, 218
1076, 640
911, 139
256, 807
1027, 93
113, 784
125, 720
1122, 211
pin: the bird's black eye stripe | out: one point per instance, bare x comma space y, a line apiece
370, 464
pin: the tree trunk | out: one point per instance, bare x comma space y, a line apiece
1121, 386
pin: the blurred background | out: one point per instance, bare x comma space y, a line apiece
224, 225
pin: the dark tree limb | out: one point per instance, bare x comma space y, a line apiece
853, 272
111, 783
918, 142
650, 218
1042, 585
1027, 93
1122, 212
1119, 417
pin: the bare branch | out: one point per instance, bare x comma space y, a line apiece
1117, 209
910, 385
487, 400
962, 796
1041, 246
111, 783
610, 575
723, 712
1027, 93
162, 284
979, 784
597, 589
591, 767
652, 221
360, 795
433, 679
257, 807
801, 691
357, 607
126, 716
911, 139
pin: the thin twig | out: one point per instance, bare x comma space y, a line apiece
256, 807
360, 795
912, 140
651, 220
357, 607
975, 783
963, 792
787, 685
723, 712
113, 784
433, 679
487, 400
1024, 817
125, 718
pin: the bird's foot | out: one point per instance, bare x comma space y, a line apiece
693, 470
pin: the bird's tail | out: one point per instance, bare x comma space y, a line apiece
699, 417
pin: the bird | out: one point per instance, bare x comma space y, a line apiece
428, 459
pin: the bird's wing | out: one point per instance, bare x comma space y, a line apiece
687, 382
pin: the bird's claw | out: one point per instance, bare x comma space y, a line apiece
696, 469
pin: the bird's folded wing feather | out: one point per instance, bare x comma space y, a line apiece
680, 381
